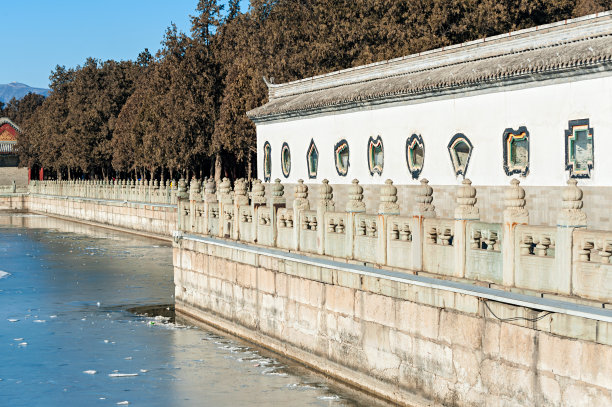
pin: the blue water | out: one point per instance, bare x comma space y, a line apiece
65, 329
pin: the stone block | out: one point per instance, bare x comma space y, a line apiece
549, 393
467, 366
596, 364
266, 281
348, 279
268, 262
282, 285
401, 344
417, 319
506, 380
460, 329
246, 275
559, 356
377, 308
604, 333
517, 344
376, 336
381, 364
340, 299
433, 357
569, 326
581, 395
491, 339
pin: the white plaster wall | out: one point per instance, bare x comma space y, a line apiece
544, 110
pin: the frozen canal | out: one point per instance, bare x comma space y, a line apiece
68, 339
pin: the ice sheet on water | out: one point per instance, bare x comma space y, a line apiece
4, 274
39, 321
90, 371
122, 374
12, 320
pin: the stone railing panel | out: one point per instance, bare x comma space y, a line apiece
309, 225
285, 227
213, 218
367, 233
592, 268
265, 229
438, 249
484, 260
246, 223
399, 241
535, 258
336, 236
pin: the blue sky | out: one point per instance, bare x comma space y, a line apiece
40, 34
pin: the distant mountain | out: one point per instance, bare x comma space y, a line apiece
19, 90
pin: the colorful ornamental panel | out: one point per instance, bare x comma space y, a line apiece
286, 160
376, 156
312, 159
415, 155
579, 149
516, 151
460, 150
267, 162
341, 157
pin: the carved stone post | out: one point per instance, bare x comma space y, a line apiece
182, 206
276, 200
423, 209
258, 199
226, 210
240, 199
570, 217
388, 206
464, 212
210, 197
194, 199
514, 214
325, 204
300, 204
353, 206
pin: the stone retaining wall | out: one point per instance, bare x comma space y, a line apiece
403, 342
147, 218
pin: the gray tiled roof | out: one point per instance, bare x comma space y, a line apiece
561, 49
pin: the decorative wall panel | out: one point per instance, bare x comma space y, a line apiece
312, 159
579, 149
267, 161
516, 151
376, 156
460, 150
415, 155
286, 160
341, 157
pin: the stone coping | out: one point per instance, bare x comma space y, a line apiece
497, 295
100, 200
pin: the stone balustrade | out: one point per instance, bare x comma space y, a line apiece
566, 259
512, 254
156, 192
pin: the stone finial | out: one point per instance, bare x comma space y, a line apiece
225, 191
424, 199
514, 198
182, 189
210, 190
388, 199
355, 203
240, 192
258, 193
277, 191
301, 196
466, 199
571, 213
326, 195
194, 190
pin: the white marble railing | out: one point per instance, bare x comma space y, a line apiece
566, 259
121, 190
